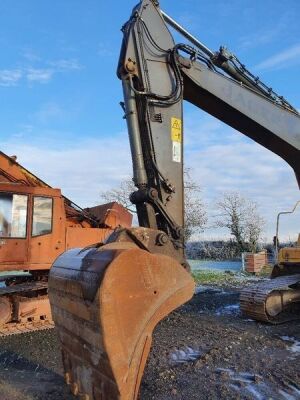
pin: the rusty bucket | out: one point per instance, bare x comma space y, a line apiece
106, 302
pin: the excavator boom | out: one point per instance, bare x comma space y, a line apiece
107, 299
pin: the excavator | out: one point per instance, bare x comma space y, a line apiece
106, 299
277, 300
37, 224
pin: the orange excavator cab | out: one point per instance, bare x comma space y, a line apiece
37, 224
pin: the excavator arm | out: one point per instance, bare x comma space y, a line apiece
271, 125
157, 76
107, 299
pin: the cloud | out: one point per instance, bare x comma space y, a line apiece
10, 77
105, 50
30, 55
284, 59
258, 38
222, 159
82, 168
47, 112
41, 75
24, 131
64, 64
267, 34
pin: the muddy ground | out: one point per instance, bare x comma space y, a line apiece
204, 350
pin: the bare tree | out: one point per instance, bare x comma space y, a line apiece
121, 194
195, 215
240, 215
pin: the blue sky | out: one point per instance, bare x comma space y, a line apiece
59, 102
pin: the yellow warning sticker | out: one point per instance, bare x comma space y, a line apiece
176, 129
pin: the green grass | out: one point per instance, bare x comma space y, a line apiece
222, 278
214, 277
265, 271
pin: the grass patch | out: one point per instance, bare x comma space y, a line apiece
265, 271
214, 278
227, 278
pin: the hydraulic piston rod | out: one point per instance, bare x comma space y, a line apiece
187, 35
219, 59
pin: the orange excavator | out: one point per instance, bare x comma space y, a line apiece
107, 299
37, 224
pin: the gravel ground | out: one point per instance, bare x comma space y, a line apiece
204, 350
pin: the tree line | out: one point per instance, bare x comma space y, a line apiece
237, 214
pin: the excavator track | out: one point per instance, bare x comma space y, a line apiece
274, 301
17, 328
23, 288
24, 308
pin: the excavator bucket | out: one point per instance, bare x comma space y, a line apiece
105, 302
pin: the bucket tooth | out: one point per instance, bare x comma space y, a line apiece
67, 378
74, 388
105, 304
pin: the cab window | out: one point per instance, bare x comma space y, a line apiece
13, 215
41, 216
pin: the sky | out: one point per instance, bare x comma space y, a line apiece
59, 101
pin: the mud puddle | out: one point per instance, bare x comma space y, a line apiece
293, 344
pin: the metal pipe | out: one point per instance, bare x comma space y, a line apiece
186, 34
139, 172
277, 226
224, 65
